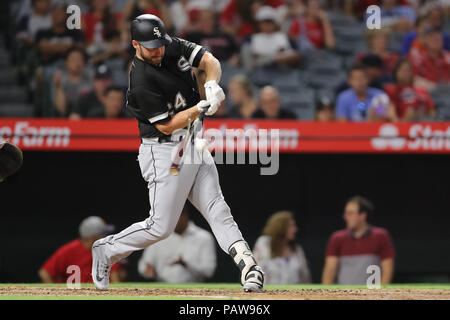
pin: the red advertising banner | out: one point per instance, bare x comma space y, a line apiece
292, 136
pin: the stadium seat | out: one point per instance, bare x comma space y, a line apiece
396, 41
13, 94
16, 110
302, 103
326, 80
323, 61
287, 82
228, 72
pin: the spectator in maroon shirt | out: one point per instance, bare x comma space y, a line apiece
352, 250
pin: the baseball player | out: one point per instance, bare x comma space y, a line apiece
163, 96
11, 159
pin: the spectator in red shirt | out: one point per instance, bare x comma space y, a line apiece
77, 253
98, 21
314, 30
350, 251
411, 103
432, 66
378, 41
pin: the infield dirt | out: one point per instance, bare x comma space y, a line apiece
174, 293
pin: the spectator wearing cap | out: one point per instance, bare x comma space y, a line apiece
53, 43
412, 103
93, 100
270, 106
187, 255
113, 105
77, 253
74, 80
361, 102
256, 53
431, 66
237, 17
352, 250
324, 110
313, 29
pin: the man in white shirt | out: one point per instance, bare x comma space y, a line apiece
187, 255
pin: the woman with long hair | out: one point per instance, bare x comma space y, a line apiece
281, 258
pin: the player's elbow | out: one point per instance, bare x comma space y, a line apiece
165, 129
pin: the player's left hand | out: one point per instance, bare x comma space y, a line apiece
215, 95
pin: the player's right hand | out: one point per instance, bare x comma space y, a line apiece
203, 105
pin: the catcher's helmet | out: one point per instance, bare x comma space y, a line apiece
11, 159
149, 31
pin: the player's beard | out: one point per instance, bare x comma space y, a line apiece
154, 60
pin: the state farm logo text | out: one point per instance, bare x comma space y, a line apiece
28, 136
420, 137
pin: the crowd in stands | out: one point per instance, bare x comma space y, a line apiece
281, 59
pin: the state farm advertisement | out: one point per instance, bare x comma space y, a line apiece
232, 135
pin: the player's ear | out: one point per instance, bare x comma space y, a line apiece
135, 44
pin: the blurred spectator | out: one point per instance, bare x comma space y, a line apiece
361, 102
314, 30
350, 251
92, 101
240, 94
414, 40
113, 105
257, 53
39, 19
411, 103
397, 16
281, 258
378, 41
71, 82
373, 67
53, 43
77, 253
97, 24
135, 8
187, 255
112, 49
324, 110
220, 44
270, 106
431, 66
434, 19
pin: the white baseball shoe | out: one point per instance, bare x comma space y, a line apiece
100, 266
254, 280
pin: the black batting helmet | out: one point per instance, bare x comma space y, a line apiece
149, 31
11, 159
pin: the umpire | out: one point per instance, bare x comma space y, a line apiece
163, 95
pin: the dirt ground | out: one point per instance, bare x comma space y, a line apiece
304, 294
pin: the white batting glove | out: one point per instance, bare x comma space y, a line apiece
202, 105
215, 95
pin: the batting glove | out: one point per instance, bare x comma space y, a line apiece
215, 95
202, 105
